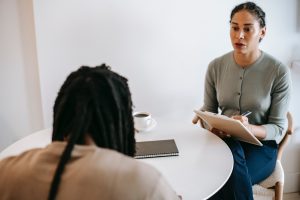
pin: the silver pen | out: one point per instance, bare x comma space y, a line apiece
246, 113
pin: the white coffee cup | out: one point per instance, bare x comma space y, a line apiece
142, 120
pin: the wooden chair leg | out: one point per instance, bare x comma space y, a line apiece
278, 191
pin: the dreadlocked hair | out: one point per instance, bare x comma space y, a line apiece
94, 101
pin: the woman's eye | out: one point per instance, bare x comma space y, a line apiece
246, 29
235, 28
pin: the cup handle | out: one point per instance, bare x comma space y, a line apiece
149, 121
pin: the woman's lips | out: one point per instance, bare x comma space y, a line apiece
239, 45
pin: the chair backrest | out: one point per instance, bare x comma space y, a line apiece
287, 135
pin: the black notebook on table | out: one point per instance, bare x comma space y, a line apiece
156, 148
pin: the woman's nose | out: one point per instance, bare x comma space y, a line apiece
241, 35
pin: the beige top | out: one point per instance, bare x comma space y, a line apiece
92, 173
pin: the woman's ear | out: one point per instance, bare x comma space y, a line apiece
262, 33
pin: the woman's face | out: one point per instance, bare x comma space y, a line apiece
245, 32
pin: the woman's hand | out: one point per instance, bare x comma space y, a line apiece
219, 133
258, 131
195, 119
223, 134
242, 119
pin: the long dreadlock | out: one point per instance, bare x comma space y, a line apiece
96, 101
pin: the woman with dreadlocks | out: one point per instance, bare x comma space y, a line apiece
93, 143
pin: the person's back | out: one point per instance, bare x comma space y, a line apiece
96, 167
91, 173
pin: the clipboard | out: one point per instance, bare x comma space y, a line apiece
231, 126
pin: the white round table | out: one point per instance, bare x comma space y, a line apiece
203, 166
204, 163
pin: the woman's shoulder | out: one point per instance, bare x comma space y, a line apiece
275, 63
225, 58
216, 65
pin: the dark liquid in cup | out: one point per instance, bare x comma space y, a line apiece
141, 115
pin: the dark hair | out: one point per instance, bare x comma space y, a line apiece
94, 101
252, 8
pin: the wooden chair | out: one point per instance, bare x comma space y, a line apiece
272, 187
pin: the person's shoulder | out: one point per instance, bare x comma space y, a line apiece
275, 63
126, 168
24, 156
32, 156
142, 169
128, 165
14, 168
220, 60
132, 165
145, 177
120, 169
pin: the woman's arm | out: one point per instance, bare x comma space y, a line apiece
258, 131
210, 95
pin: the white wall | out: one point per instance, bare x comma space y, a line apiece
163, 47
20, 107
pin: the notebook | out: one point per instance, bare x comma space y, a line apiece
234, 127
156, 148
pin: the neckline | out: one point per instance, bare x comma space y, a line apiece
248, 66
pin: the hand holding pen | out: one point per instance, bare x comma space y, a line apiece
245, 114
243, 117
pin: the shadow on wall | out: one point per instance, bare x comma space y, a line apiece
25, 10
298, 16
9, 138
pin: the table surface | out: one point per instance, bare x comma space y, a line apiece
203, 166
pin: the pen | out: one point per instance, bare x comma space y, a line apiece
246, 113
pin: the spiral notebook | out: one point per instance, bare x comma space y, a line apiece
156, 148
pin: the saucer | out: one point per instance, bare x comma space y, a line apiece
152, 124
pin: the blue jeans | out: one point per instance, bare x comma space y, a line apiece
252, 164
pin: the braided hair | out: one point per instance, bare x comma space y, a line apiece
252, 8
94, 101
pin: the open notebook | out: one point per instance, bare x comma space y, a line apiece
234, 127
156, 148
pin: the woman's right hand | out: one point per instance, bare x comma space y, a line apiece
195, 119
